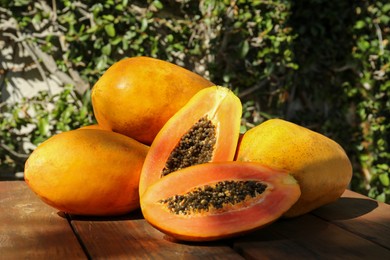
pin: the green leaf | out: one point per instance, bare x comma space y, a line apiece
102, 63
37, 19
243, 129
116, 41
106, 50
144, 24
360, 24
110, 30
244, 49
384, 179
109, 17
84, 37
92, 29
381, 197
43, 126
158, 4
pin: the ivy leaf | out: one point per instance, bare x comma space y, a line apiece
158, 4
381, 197
144, 24
360, 24
43, 126
110, 30
106, 50
384, 179
244, 49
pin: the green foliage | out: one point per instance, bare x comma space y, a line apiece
28, 123
322, 64
372, 96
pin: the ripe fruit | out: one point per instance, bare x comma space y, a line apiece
205, 129
87, 172
136, 96
218, 200
94, 126
319, 164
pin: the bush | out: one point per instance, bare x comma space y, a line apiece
25, 125
321, 64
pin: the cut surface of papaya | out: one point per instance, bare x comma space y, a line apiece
136, 96
218, 200
205, 129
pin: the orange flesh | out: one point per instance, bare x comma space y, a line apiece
282, 192
222, 107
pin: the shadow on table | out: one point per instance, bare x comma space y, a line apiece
346, 208
137, 214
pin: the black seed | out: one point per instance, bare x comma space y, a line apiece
195, 147
217, 196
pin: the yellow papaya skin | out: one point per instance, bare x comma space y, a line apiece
94, 126
87, 172
136, 96
319, 164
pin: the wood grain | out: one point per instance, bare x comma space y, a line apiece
358, 214
335, 231
131, 237
309, 237
354, 227
29, 229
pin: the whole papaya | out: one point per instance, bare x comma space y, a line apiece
320, 165
136, 96
87, 172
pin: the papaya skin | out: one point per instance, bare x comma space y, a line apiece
94, 126
320, 165
230, 221
136, 96
222, 107
87, 172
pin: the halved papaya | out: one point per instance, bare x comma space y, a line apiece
218, 200
205, 129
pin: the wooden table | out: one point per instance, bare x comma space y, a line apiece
354, 227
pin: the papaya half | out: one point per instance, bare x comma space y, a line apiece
136, 96
205, 129
87, 172
218, 200
320, 165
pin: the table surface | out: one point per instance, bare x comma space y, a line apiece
353, 227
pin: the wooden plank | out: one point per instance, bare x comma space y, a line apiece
131, 237
308, 237
268, 244
361, 215
29, 229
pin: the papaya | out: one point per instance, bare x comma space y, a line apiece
136, 96
93, 126
205, 129
218, 200
87, 172
320, 165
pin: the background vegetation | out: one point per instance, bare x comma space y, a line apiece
322, 64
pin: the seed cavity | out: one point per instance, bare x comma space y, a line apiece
195, 147
213, 197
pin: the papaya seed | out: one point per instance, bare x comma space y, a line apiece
203, 199
195, 147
